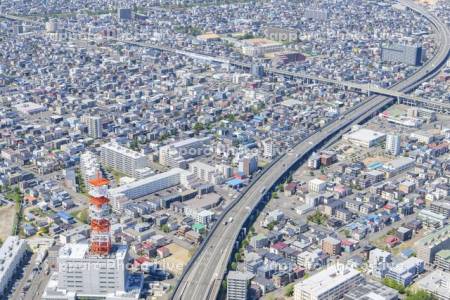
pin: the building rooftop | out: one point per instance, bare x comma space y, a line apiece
328, 279
435, 237
365, 135
437, 282
444, 254
236, 275
122, 150
81, 251
372, 290
256, 42
146, 180
8, 253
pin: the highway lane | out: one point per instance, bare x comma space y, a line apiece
201, 280
203, 277
303, 75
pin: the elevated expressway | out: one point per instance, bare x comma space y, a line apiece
370, 89
202, 277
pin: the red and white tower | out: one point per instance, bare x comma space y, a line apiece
99, 213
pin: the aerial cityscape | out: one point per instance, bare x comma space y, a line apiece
225, 149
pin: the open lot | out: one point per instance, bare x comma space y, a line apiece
7, 220
177, 260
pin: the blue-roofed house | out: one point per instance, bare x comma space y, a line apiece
65, 217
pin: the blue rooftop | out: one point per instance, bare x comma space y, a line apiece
64, 215
407, 252
235, 182
375, 165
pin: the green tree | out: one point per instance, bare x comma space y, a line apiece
289, 179
318, 218
271, 225
347, 233
420, 295
224, 284
322, 170
165, 228
198, 127
394, 285
289, 290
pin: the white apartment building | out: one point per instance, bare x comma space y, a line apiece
12, 254
206, 172
436, 283
122, 159
204, 217
329, 284
429, 245
316, 185
81, 274
94, 124
237, 285
89, 167
393, 144
178, 154
152, 184
310, 260
269, 149
379, 262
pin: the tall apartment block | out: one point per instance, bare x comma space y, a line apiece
331, 283
179, 154
12, 254
89, 167
237, 285
122, 159
393, 144
94, 124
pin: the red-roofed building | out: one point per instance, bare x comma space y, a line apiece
140, 260
277, 247
290, 189
390, 208
392, 241
163, 252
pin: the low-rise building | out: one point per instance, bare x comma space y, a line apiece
371, 290
442, 260
405, 272
436, 283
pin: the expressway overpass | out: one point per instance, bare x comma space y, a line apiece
370, 89
203, 275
